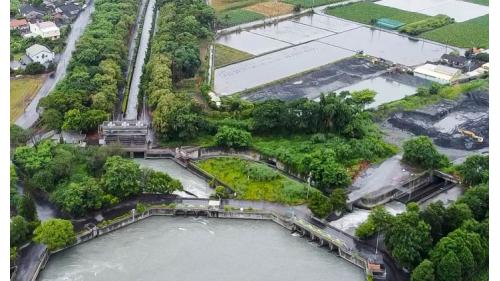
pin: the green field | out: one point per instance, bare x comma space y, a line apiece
480, 2
311, 3
22, 90
238, 16
255, 181
365, 12
225, 55
224, 5
471, 33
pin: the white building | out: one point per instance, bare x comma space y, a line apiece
40, 53
46, 29
438, 73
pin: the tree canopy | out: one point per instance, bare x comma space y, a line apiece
420, 151
55, 234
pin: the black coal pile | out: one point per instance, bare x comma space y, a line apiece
460, 124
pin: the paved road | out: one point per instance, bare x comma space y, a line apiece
30, 115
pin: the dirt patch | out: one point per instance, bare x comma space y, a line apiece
451, 124
271, 9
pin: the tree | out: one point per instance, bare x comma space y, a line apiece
319, 204
366, 229
78, 198
477, 198
34, 68
26, 208
434, 215
55, 234
338, 199
327, 173
19, 231
455, 215
31, 159
221, 192
121, 177
14, 196
232, 137
421, 152
363, 97
52, 119
379, 220
475, 170
449, 268
18, 136
408, 239
158, 182
423, 272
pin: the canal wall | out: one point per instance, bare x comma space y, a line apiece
290, 223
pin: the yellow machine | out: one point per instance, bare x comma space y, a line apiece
471, 135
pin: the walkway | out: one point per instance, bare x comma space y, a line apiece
31, 115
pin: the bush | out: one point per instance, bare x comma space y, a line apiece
141, 208
319, 205
259, 172
366, 229
232, 137
475, 170
431, 23
421, 152
19, 231
297, 8
221, 192
34, 68
55, 234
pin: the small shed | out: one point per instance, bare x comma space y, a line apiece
388, 23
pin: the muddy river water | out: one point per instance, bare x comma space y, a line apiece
174, 248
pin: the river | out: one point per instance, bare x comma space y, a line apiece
175, 248
131, 112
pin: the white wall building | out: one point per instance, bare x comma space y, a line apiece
39, 53
438, 73
46, 29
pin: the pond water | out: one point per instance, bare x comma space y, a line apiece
274, 66
389, 46
174, 248
191, 182
251, 43
327, 22
459, 10
388, 89
291, 32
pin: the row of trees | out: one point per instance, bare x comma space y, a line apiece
80, 180
175, 55
90, 87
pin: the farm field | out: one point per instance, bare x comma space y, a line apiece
271, 9
225, 55
255, 181
365, 12
471, 33
22, 90
311, 3
480, 2
238, 16
223, 5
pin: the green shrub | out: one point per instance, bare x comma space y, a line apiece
259, 172
420, 152
55, 234
421, 26
232, 137
141, 208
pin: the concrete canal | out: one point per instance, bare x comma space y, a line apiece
199, 249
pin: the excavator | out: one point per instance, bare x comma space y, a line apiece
470, 134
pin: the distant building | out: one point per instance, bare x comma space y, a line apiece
30, 12
438, 73
21, 24
46, 29
40, 53
388, 23
454, 60
68, 11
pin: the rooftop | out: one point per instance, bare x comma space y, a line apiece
17, 23
47, 25
438, 71
35, 49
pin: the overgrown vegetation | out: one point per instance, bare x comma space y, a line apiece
22, 91
467, 34
225, 55
55, 234
254, 181
237, 16
88, 93
431, 23
420, 152
80, 180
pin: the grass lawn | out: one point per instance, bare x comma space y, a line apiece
238, 16
226, 55
255, 181
22, 90
415, 101
364, 12
311, 3
471, 33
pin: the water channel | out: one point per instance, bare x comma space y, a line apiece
174, 248
191, 182
131, 112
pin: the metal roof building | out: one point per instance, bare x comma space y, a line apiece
388, 23
438, 73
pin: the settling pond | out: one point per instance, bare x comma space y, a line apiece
173, 248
